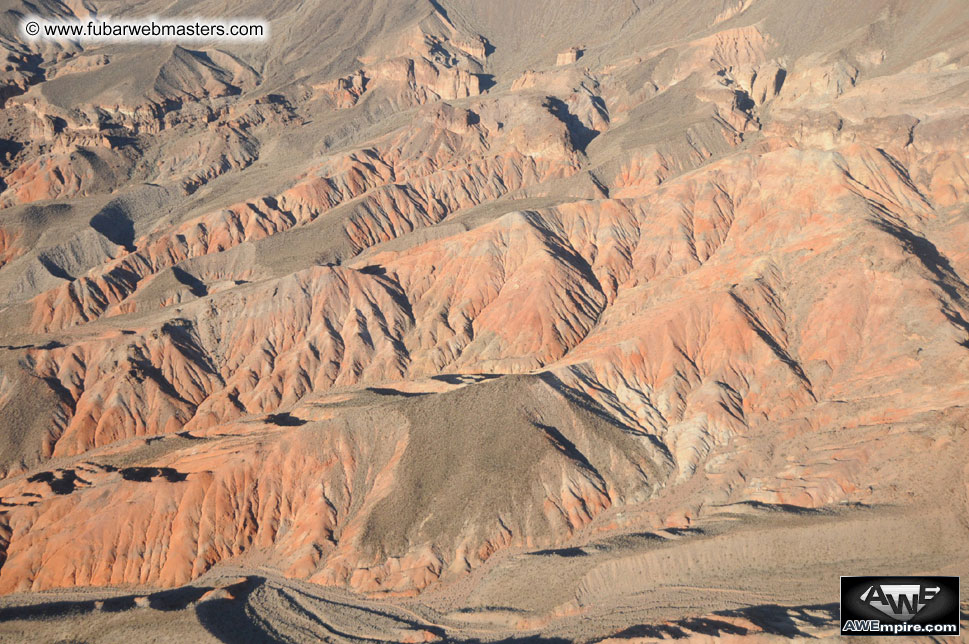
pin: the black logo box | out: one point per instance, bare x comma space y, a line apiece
943, 609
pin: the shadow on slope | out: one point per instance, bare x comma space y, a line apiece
114, 223
166, 600
772, 619
229, 621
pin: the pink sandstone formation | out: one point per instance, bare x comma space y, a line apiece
392, 318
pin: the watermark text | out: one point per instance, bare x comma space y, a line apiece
102, 29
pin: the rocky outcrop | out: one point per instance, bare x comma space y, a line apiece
567, 57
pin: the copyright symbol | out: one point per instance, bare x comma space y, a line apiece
32, 28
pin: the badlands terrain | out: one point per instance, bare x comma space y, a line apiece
479, 321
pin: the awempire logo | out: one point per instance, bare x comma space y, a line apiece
900, 606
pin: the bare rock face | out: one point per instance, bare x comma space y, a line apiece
568, 57
426, 316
